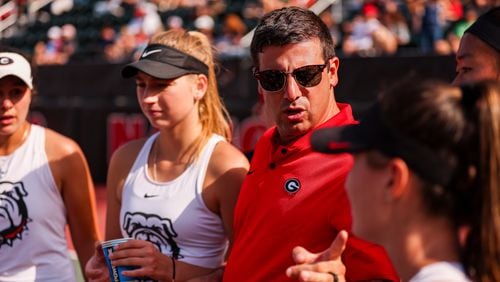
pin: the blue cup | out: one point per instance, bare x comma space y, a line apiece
115, 272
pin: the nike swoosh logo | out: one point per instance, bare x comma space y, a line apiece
147, 53
150, 196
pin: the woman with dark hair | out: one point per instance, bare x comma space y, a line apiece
425, 184
45, 185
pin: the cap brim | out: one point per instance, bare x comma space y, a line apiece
373, 133
27, 82
370, 133
342, 139
153, 68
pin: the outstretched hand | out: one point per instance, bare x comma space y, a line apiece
326, 266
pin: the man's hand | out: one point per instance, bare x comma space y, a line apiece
326, 266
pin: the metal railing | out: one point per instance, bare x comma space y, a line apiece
9, 13
8, 16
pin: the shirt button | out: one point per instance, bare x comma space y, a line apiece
272, 165
284, 151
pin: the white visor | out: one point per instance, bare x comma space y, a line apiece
16, 65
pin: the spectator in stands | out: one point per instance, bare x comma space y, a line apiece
478, 55
432, 25
45, 184
206, 25
229, 42
39, 53
146, 21
459, 28
124, 48
107, 35
369, 37
53, 52
394, 20
175, 22
182, 181
69, 40
289, 196
432, 166
329, 20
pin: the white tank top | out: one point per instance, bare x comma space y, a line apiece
33, 246
173, 215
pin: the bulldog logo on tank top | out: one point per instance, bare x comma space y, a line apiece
152, 228
13, 212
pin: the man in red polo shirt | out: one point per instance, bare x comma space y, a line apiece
293, 196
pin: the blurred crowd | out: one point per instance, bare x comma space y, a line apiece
363, 28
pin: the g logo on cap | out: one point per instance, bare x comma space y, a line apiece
6, 61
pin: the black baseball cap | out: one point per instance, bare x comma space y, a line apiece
165, 62
487, 28
375, 133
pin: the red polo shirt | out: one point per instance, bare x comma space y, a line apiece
291, 197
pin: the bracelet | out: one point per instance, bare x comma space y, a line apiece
173, 269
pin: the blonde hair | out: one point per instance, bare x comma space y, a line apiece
213, 115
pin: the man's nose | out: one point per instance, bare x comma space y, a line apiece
291, 89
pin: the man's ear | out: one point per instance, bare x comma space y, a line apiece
397, 183
333, 68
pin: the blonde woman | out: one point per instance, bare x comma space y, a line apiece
175, 191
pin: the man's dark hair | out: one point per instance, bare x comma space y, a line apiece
290, 25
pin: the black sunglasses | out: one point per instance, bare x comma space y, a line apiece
274, 80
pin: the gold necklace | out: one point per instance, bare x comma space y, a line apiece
155, 152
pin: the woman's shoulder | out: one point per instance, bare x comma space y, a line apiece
226, 156
121, 162
58, 145
128, 151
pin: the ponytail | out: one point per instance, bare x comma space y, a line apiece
482, 251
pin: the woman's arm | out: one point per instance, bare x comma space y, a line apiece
225, 175
227, 169
72, 175
119, 166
